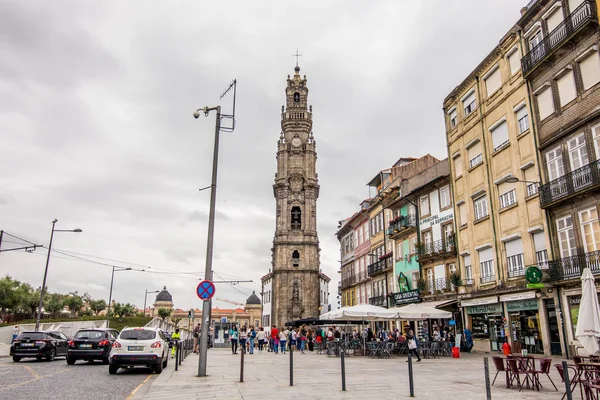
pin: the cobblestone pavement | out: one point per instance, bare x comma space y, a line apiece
32, 379
266, 376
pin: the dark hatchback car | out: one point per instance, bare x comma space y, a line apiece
48, 345
91, 344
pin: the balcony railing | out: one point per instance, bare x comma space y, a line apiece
380, 301
579, 17
487, 279
516, 265
381, 266
572, 183
542, 259
439, 285
403, 224
437, 248
348, 281
571, 267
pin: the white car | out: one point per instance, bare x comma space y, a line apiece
139, 346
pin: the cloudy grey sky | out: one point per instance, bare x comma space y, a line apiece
96, 126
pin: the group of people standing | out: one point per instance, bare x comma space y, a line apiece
246, 338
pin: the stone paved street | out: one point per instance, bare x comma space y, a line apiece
316, 376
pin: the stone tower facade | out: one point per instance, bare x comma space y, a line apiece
295, 265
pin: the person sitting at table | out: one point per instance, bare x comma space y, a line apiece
436, 335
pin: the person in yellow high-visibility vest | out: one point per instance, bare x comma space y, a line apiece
174, 337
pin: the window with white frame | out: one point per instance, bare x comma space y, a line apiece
475, 157
458, 169
545, 102
414, 281
590, 229
554, 162
486, 265
534, 40
515, 260
452, 116
399, 250
480, 207
445, 200
566, 88
508, 194
522, 119
412, 213
514, 61
463, 213
413, 244
430, 286
596, 136
500, 135
578, 152
493, 80
553, 20
541, 252
566, 237
424, 205
468, 269
469, 104
531, 176
574, 4
590, 69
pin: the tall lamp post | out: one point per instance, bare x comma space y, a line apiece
146, 297
112, 278
43, 290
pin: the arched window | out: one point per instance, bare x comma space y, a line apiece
296, 97
296, 218
296, 255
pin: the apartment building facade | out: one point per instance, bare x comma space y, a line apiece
561, 64
501, 229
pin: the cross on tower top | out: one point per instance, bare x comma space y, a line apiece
296, 55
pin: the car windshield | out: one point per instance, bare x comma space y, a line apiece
32, 336
89, 335
141, 334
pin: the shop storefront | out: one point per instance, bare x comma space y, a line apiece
571, 299
484, 318
524, 322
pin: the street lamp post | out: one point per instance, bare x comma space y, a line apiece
146, 297
42, 291
112, 278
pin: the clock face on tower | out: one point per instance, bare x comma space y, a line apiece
296, 142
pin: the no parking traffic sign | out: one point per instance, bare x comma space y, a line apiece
205, 290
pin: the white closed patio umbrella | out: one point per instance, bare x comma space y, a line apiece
588, 322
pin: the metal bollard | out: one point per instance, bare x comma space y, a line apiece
343, 370
567, 380
179, 348
486, 369
242, 365
411, 384
291, 367
176, 357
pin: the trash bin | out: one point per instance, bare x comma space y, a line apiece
456, 352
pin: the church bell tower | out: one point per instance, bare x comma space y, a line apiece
296, 278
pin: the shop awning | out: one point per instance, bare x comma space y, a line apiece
438, 304
480, 301
518, 296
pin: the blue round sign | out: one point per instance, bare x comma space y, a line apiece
205, 290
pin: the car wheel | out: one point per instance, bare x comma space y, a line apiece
112, 369
39, 358
158, 368
52, 355
164, 364
16, 359
71, 360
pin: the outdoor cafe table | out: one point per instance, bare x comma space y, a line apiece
525, 363
589, 377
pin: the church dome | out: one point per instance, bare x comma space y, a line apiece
253, 299
164, 295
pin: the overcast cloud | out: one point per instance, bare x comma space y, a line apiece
96, 126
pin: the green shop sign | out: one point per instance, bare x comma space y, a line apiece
485, 309
522, 305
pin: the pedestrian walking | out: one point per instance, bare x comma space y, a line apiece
275, 339
251, 339
233, 337
283, 340
196, 337
15, 333
412, 345
243, 335
175, 337
261, 338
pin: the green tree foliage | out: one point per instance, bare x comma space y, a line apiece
176, 320
97, 306
164, 313
75, 302
124, 310
87, 312
54, 304
9, 298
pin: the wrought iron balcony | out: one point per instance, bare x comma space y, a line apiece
380, 301
381, 266
441, 247
571, 267
578, 18
440, 285
573, 183
401, 225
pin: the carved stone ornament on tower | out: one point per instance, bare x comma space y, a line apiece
296, 276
